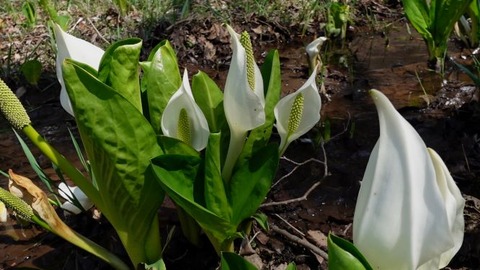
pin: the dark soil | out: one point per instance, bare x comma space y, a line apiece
384, 57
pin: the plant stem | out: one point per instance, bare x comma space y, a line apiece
59, 160
190, 228
237, 140
81, 241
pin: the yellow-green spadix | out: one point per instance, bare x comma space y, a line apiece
183, 119
244, 99
409, 212
298, 112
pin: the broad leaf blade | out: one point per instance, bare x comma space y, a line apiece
119, 69
177, 174
417, 12
209, 98
161, 80
119, 143
445, 14
215, 195
251, 182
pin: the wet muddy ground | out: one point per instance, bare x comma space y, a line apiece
443, 110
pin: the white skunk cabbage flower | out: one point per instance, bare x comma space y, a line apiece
313, 52
244, 100
297, 112
409, 212
183, 119
3, 213
77, 49
68, 193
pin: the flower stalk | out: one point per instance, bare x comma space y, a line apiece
17, 116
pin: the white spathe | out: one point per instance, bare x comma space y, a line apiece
309, 113
68, 193
77, 49
243, 106
313, 51
198, 125
409, 212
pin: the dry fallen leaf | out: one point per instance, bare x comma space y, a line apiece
25, 189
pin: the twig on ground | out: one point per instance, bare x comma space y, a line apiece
98, 32
301, 241
298, 164
290, 225
313, 187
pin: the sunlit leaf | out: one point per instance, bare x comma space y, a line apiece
233, 261
251, 182
344, 255
161, 79
114, 132
119, 69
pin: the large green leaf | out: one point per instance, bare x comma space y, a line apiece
417, 12
215, 195
119, 143
209, 98
251, 182
180, 177
161, 79
119, 69
445, 14
260, 136
344, 255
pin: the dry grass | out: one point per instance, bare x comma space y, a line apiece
100, 22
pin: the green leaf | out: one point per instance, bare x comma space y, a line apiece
28, 9
262, 221
444, 15
417, 12
209, 98
35, 166
63, 21
179, 177
31, 70
161, 79
251, 182
215, 195
122, 6
119, 142
291, 266
233, 261
344, 255
119, 69
260, 136
470, 74
175, 146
